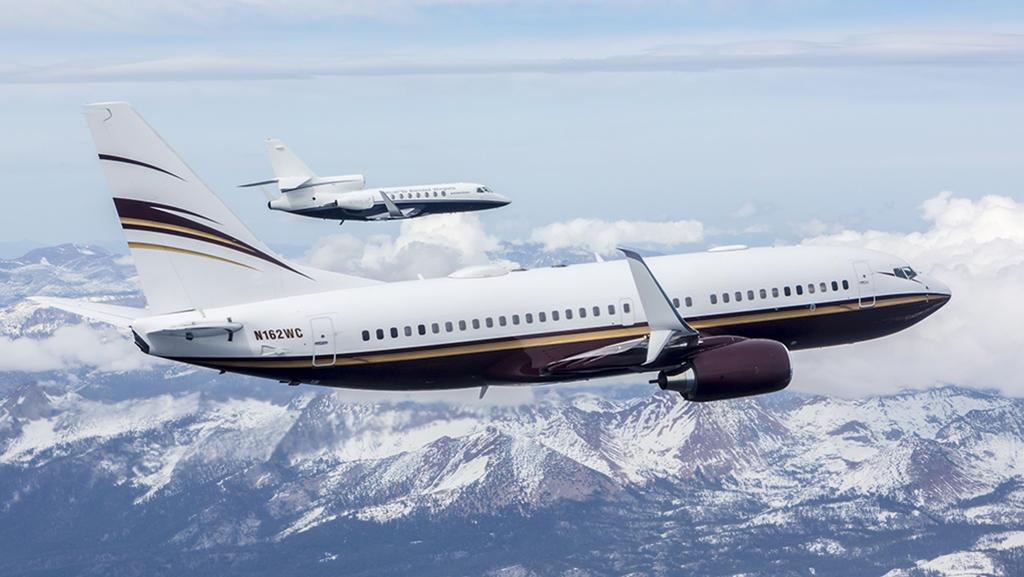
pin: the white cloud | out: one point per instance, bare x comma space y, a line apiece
977, 248
604, 236
431, 247
70, 347
935, 49
745, 210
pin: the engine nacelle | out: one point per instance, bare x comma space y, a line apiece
356, 200
744, 368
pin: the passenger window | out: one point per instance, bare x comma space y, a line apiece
568, 314
714, 299
422, 329
689, 302
476, 323
408, 331
515, 319
583, 313
554, 315
394, 332
810, 288
448, 327
435, 328
750, 295
763, 294
786, 291
739, 296
380, 334
542, 317
775, 292
462, 325
597, 311
489, 322
799, 289
366, 335
835, 286
502, 321
529, 318
725, 297
625, 307
675, 302
611, 309
823, 287
846, 285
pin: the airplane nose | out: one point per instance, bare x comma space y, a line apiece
935, 286
501, 200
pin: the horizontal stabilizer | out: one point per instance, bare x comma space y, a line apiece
199, 330
118, 316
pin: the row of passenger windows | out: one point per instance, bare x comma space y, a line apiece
822, 287
490, 322
583, 312
405, 195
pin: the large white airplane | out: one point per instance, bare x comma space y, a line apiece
344, 198
710, 325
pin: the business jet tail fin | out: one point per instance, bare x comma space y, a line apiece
289, 170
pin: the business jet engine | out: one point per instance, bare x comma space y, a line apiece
741, 368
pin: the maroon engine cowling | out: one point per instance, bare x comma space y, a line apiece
744, 368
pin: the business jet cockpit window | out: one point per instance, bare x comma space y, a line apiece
904, 272
482, 189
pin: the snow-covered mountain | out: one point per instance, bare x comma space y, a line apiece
170, 470
652, 485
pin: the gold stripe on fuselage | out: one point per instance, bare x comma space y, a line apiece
165, 248
580, 337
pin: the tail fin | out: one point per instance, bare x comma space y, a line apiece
190, 250
289, 170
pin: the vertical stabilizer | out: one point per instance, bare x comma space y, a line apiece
190, 250
289, 170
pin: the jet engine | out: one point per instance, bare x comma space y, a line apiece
739, 369
356, 201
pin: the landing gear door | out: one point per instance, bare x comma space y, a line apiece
865, 284
322, 333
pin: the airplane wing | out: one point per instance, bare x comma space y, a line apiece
670, 342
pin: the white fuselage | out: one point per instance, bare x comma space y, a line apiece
338, 201
429, 327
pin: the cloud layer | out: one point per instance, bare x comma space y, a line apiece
977, 248
891, 49
70, 347
604, 236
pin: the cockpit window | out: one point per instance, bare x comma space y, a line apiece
482, 189
904, 272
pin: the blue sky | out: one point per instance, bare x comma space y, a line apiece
763, 120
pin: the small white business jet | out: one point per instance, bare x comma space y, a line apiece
343, 198
711, 325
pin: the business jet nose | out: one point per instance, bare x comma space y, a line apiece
501, 200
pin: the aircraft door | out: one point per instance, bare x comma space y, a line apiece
322, 333
865, 284
626, 312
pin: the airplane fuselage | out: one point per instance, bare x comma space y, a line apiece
497, 327
335, 202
